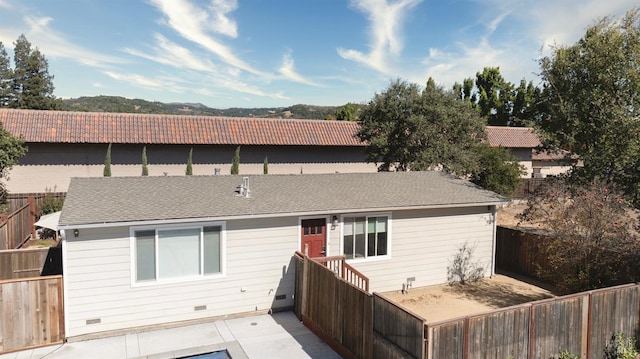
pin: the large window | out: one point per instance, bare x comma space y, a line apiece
365, 237
169, 254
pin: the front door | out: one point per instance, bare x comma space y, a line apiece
314, 237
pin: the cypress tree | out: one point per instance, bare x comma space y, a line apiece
107, 163
265, 166
235, 164
145, 170
189, 171
32, 83
6, 78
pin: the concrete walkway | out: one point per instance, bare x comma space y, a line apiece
279, 335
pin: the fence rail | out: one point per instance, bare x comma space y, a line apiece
32, 313
339, 266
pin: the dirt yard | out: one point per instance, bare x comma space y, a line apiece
437, 303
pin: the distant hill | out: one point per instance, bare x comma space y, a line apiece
125, 105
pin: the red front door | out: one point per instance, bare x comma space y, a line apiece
314, 237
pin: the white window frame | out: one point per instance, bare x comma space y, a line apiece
201, 276
367, 216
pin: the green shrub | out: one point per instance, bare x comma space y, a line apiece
620, 346
50, 203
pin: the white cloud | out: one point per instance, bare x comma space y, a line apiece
196, 24
513, 38
385, 32
53, 44
146, 82
169, 53
5, 4
289, 72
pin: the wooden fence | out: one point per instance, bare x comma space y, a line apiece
580, 323
338, 312
357, 324
22, 263
17, 228
362, 325
520, 252
24, 208
31, 313
397, 333
527, 187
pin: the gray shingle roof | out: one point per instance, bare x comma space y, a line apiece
92, 201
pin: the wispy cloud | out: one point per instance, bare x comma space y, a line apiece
54, 44
146, 82
385, 20
169, 53
513, 35
288, 70
198, 25
5, 4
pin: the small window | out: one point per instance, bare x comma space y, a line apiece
365, 237
167, 254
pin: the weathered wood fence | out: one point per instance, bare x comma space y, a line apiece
24, 208
355, 323
16, 228
580, 323
362, 325
31, 313
22, 263
520, 252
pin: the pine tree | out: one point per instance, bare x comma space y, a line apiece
189, 171
32, 83
145, 170
107, 163
235, 164
6, 78
265, 166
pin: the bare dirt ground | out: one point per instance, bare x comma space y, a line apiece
442, 302
508, 216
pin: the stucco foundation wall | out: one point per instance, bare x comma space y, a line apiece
424, 242
98, 279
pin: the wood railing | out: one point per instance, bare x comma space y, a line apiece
339, 266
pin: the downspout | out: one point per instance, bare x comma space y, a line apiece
64, 284
493, 240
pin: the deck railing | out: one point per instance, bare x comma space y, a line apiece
339, 265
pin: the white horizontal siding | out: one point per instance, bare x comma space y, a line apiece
423, 244
98, 279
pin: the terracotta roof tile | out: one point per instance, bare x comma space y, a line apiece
103, 127
512, 137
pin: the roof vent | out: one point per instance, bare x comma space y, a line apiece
243, 189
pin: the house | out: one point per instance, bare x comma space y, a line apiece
523, 144
74, 144
144, 251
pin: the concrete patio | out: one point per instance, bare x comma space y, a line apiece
279, 335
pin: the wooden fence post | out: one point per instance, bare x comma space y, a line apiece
33, 212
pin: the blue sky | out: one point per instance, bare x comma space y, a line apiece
277, 53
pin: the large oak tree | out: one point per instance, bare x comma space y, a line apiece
591, 101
